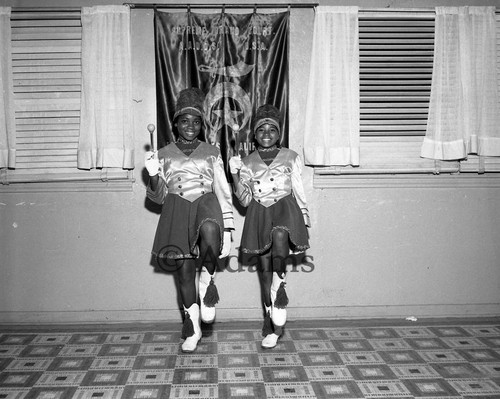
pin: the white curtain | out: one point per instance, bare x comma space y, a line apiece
464, 114
106, 131
7, 122
331, 134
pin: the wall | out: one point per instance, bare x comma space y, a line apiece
375, 252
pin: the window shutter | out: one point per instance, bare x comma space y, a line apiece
396, 58
46, 56
396, 62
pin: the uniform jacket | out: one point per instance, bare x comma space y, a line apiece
192, 176
267, 184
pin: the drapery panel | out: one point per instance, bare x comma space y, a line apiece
333, 110
464, 116
106, 126
7, 122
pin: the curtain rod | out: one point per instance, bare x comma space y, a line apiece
223, 5
265, 5
47, 9
387, 9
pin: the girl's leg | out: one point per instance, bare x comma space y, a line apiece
281, 250
191, 330
209, 253
265, 268
186, 275
273, 269
274, 274
210, 245
279, 298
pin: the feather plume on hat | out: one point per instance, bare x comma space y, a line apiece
267, 113
189, 101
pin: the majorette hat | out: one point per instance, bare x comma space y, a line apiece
189, 101
267, 113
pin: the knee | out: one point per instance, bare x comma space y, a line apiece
186, 274
210, 230
280, 235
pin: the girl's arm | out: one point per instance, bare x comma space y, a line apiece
240, 180
223, 192
298, 189
157, 187
153, 182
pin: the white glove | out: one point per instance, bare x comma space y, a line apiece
226, 245
235, 164
152, 163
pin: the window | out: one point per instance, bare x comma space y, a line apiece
46, 57
396, 60
396, 55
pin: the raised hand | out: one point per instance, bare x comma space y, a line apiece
152, 163
235, 164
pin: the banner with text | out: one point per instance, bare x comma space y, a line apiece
240, 61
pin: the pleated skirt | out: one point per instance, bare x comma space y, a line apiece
261, 221
179, 226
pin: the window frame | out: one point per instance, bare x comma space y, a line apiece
393, 160
46, 64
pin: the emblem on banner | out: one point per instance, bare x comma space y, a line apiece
228, 104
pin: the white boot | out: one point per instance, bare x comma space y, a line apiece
209, 295
270, 338
279, 300
191, 330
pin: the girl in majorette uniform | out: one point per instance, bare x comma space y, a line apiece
187, 177
268, 182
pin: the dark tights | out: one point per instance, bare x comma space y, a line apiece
273, 260
186, 268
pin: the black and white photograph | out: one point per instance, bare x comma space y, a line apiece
275, 199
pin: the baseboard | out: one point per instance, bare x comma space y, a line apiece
242, 314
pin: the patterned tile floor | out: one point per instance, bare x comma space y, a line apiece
314, 359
